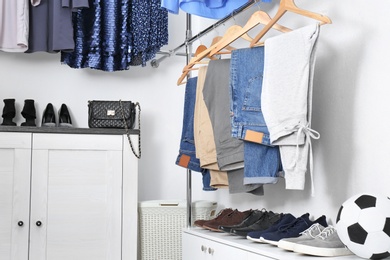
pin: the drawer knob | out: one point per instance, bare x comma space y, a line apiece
203, 248
38, 223
20, 223
211, 251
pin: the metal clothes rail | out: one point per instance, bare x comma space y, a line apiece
189, 40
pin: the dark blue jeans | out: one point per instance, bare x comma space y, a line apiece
187, 155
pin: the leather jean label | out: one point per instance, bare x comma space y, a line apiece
252, 136
184, 160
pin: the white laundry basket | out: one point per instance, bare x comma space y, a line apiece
161, 224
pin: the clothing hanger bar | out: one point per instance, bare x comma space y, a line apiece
156, 62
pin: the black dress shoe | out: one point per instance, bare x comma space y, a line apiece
266, 220
252, 218
64, 117
48, 117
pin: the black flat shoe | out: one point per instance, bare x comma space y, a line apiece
48, 117
64, 119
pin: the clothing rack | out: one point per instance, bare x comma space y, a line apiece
188, 45
189, 40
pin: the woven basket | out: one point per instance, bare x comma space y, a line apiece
161, 224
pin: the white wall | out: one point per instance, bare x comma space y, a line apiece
350, 107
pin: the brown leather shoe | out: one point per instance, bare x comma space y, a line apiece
233, 218
220, 215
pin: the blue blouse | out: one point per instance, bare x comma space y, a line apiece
214, 9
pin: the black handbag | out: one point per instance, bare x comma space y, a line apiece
115, 114
111, 114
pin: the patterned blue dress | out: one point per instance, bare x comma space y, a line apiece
112, 35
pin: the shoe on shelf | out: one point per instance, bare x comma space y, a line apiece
266, 221
9, 112
252, 218
29, 113
230, 219
218, 217
283, 220
48, 117
327, 243
310, 233
64, 119
292, 230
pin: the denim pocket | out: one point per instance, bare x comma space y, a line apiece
252, 95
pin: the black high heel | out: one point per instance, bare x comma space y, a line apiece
64, 119
48, 117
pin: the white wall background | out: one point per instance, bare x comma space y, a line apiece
351, 107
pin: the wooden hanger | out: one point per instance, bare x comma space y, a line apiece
231, 30
289, 5
200, 48
258, 17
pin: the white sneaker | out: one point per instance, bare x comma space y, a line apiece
308, 234
327, 243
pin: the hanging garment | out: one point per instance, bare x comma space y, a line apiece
14, 25
51, 28
262, 160
287, 100
230, 151
236, 184
114, 35
204, 136
214, 9
187, 157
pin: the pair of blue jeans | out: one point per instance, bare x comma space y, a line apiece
261, 159
187, 153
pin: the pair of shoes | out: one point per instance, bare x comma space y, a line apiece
252, 218
264, 222
310, 233
9, 112
282, 221
49, 118
218, 217
327, 243
233, 218
292, 229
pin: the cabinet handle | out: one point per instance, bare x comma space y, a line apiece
211, 251
203, 248
20, 223
38, 223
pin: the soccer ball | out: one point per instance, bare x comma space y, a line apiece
363, 225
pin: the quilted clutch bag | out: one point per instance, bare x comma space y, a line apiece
111, 114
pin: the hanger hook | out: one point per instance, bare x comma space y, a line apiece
215, 29
234, 18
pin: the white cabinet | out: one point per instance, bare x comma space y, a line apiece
204, 244
15, 163
83, 199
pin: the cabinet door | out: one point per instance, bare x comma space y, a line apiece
195, 248
76, 197
15, 161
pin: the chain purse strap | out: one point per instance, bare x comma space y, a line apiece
127, 129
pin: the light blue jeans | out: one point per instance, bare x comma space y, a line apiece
261, 159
